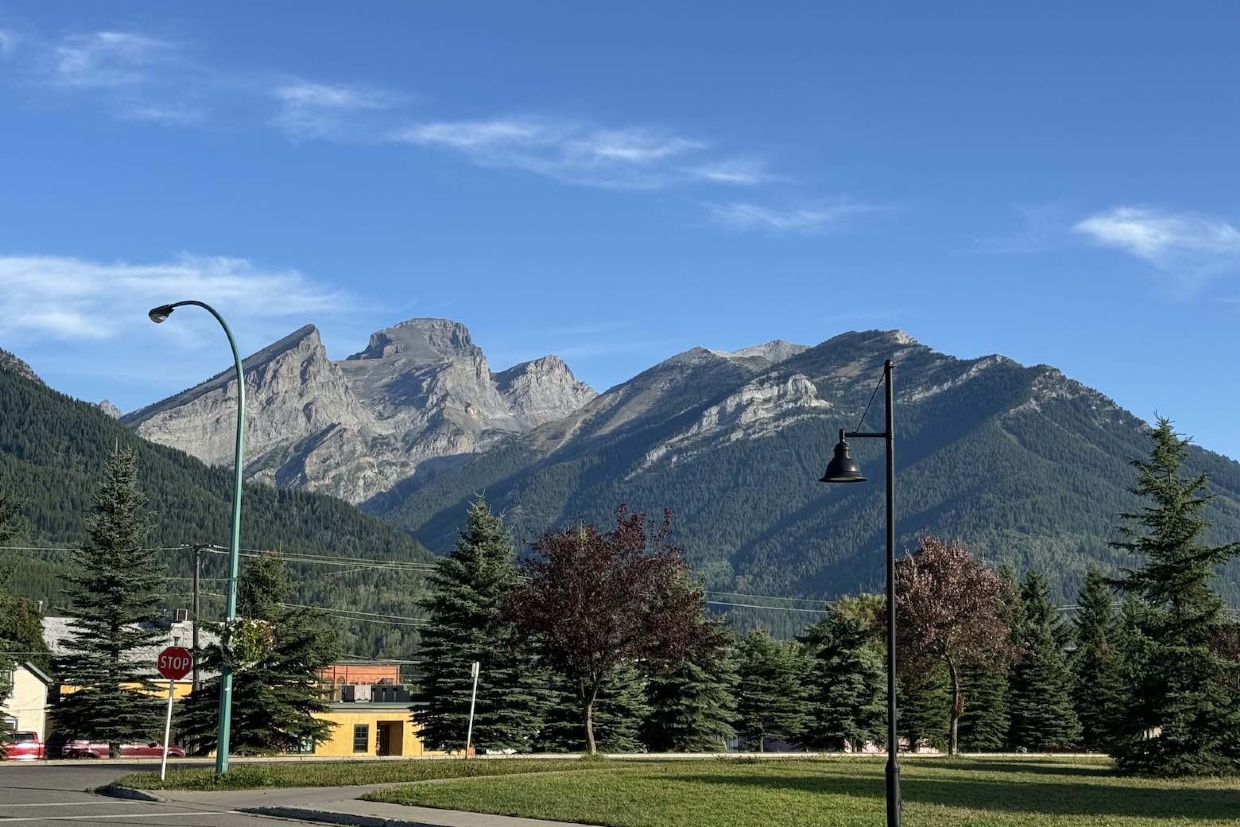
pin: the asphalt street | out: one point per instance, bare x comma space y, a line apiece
41, 796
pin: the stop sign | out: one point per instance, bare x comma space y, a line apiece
175, 662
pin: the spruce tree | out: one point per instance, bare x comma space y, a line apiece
1042, 713
619, 714
924, 698
847, 683
1097, 670
113, 590
277, 688
1182, 719
693, 704
985, 723
466, 624
771, 700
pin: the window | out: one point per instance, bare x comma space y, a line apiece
361, 737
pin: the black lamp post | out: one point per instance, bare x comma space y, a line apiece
843, 468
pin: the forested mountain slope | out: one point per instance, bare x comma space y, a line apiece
1025, 465
52, 452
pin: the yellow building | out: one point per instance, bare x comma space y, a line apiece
26, 706
371, 729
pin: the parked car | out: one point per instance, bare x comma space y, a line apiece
23, 746
84, 749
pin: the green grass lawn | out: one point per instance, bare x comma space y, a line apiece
838, 791
339, 773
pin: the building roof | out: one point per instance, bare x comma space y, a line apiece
58, 631
37, 672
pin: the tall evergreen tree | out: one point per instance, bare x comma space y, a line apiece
771, 697
619, 713
693, 704
1043, 716
9, 516
278, 652
1097, 670
847, 682
113, 592
1182, 720
924, 698
985, 723
471, 587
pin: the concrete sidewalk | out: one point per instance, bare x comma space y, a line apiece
342, 805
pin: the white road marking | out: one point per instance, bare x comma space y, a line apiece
66, 804
125, 815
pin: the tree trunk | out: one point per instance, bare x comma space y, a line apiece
761, 743
589, 697
953, 740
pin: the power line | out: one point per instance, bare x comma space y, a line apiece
769, 597
770, 608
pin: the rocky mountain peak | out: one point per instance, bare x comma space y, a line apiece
421, 341
11, 363
542, 390
110, 409
420, 392
775, 351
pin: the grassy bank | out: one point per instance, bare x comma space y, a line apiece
340, 773
841, 793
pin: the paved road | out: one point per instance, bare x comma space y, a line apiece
55, 796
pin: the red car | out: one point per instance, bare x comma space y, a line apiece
23, 746
82, 749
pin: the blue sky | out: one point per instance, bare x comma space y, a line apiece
1054, 182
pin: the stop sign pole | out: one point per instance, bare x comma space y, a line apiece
173, 663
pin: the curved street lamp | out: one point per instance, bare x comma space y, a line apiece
843, 468
158, 316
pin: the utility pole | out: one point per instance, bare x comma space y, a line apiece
194, 645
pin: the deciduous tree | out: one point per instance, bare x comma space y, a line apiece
595, 599
949, 609
276, 691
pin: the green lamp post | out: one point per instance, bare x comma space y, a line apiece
158, 315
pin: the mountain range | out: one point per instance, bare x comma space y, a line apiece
421, 397
1027, 466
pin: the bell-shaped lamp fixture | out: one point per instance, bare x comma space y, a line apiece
159, 314
842, 467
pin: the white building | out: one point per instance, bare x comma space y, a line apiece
26, 708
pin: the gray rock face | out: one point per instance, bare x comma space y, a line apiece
420, 392
110, 409
11, 363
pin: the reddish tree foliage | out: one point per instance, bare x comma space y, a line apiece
593, 600
949, 608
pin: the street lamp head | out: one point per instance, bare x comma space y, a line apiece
158, 314
842, 467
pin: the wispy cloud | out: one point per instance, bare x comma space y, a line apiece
746, 216
1192, 248
74, 299
633, 157
321, 110
8, 43
108, 60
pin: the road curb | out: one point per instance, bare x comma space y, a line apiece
117, 791
331, 817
